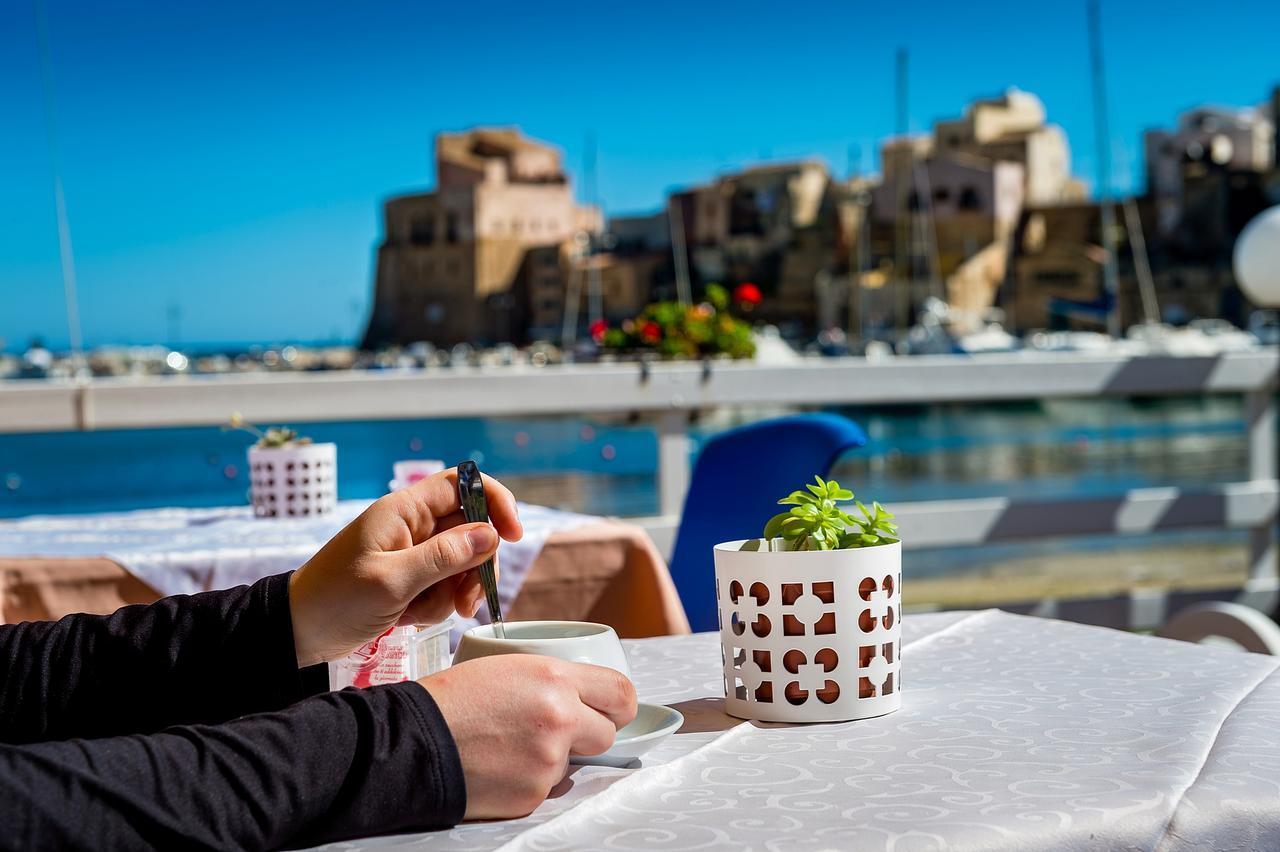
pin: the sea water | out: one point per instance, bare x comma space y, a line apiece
608, 466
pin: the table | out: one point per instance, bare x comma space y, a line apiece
567, 566
1016, 733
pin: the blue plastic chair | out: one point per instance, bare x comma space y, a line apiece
736, 483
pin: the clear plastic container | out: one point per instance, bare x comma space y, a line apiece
400, 654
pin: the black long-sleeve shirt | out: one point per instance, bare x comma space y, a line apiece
187, 724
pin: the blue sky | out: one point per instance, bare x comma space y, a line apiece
229, 158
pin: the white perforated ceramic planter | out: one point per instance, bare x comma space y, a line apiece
293, 482
810, 636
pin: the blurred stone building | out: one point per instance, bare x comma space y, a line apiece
774, 225
450, 260
982, 211
1206, 179
556, 279
950, 200
1239, 140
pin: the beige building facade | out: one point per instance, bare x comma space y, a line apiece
450, 258
774, 225
1012, 128
950, 199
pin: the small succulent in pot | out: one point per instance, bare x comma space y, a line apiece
289, 476
822, 589
816, 520
275, 437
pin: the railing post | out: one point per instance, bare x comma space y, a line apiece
1264, 556
673, 462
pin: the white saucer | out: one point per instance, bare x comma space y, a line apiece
653, 724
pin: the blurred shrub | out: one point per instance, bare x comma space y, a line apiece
673, 330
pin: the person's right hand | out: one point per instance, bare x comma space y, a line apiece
517, 718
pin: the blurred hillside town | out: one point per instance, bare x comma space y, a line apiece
974, 237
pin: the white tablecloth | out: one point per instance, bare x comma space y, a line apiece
184, 551
1016, 733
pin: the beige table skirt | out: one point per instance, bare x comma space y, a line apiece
607, 571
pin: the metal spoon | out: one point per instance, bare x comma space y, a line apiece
475, 508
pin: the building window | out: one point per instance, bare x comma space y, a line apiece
969, 199
422, 230
913, 200
451, 227
1069, 277
434, 313
747, 213
941, 195
516, 226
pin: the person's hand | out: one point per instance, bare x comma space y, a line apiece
405, 560
517, 718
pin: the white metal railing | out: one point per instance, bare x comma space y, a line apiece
668, 392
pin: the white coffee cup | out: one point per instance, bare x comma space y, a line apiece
575, 641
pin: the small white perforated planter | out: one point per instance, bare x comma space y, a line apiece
810, 636
293, 482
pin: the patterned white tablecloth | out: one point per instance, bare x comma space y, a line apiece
1016, 733
184, 551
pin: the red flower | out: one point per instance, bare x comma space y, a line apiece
747, 294
598, 328
651, 332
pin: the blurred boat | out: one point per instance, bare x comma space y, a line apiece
1094, 342
992, 337
772, 349
1265, 326
940, 330
1198, 338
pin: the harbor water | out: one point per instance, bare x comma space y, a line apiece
608, 466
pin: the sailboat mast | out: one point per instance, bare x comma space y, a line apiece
595, 296
904, 177
853, 316
676, 221
1141, 266
66, 254
1110, 274
573, 288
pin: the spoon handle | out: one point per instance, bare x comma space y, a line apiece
475, 508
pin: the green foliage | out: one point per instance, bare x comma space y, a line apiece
281, 436
275, 436
875, 527
816, 521
673, 330
718, 296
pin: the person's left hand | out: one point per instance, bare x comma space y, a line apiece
406, 560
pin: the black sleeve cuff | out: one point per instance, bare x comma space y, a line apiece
294, 683
443, 766
403, 772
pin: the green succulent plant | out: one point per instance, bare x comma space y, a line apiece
274, 437
816, 520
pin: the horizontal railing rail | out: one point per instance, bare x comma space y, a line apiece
667, 393
124, 402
